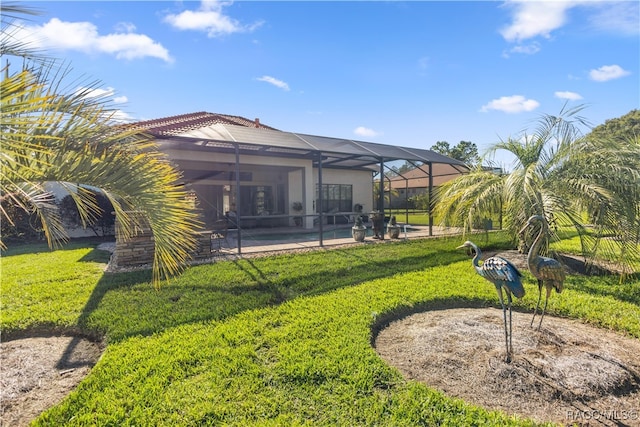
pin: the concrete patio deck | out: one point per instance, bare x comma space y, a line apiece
253, 240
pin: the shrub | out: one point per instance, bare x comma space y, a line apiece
102, 225
24, 225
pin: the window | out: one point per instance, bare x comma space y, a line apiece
256, 200
335, 198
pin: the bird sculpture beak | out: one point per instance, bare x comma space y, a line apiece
460, 247
524, 228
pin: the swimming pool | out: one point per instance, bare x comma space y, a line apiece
337, 233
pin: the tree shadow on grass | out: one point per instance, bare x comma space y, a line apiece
608, 286
29, 247
124, 305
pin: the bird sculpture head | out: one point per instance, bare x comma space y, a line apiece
534, 219
468, 244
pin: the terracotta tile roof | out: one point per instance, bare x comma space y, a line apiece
173, 125
416, 173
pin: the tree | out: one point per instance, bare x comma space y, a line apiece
610, 155
388, 192
102, 225
464, 151
442, 147
621, 127
406, 167
420, 201
562, 174
50, 134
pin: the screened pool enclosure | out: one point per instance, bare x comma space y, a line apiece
254, 176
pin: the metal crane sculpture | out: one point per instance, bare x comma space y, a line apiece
548, 271
505, 276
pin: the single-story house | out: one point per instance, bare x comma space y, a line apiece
259, 175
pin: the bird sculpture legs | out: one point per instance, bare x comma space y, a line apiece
507, 333
546, 301
538, 303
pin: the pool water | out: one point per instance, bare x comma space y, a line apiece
338, 233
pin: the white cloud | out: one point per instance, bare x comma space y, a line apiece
525, 49
120, 116
125, 27
608, 72
617, 17
277, 83
84, 37
210, 19
511, 104
571, 96
363, 131
535, 18
132, 46
532, 19
95, 92
102, 94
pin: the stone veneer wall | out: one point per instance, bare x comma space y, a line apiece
139, 250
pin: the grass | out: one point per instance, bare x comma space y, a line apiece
572, 245
283, 340
415, 217
43, 288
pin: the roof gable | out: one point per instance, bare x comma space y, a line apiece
174, 125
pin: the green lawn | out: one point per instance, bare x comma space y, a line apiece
277, 341
415, 217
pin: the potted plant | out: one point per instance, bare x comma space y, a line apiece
297, 207
393, 229
358, 231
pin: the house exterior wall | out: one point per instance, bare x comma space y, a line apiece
360, 180
298, 176
297, 193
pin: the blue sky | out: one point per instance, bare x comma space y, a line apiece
401, 73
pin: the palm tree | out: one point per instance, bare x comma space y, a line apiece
388, 192
561, 174
614, 163
50, 134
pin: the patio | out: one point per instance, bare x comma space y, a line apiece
255, 242
228, 241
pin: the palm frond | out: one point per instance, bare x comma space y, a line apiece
562, 174
71, 139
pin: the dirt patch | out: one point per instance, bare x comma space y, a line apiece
38, 372
567, 372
